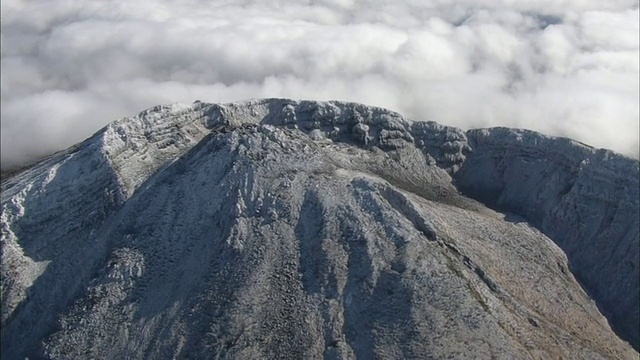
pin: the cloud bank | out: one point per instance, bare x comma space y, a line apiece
562, 67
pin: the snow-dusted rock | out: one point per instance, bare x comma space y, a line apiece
585, 199
283, 229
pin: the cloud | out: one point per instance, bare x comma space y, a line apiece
567, 68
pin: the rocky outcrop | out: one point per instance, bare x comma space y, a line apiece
286, 229
585, 199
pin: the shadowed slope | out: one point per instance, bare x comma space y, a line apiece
586, 200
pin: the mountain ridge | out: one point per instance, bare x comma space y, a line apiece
423, 158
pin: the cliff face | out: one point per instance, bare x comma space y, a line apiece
276, 228
586, 200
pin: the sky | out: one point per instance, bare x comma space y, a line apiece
561, 67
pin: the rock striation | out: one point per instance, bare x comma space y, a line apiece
283, 229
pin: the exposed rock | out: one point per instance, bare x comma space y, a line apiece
282, 229
585, 199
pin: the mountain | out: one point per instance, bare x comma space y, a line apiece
283, 229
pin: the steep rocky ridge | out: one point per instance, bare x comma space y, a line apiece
585, 199
260, 230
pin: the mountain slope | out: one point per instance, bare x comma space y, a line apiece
275, 228
586, 200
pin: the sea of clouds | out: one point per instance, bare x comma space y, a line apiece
561, 67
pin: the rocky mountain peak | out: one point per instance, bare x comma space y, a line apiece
278, 228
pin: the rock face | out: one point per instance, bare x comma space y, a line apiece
282, 229
586, 200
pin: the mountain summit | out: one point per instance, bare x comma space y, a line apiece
283, 229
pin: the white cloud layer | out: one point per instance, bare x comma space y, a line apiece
562, 67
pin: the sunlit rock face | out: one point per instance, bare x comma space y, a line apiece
283, 229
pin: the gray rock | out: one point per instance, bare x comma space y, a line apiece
585, 199
282, 229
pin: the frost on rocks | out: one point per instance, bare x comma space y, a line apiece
283, 229
585, 199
